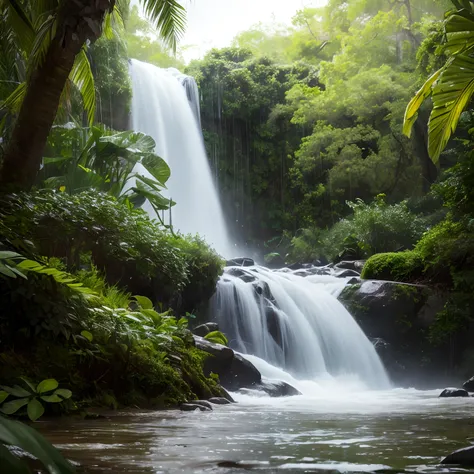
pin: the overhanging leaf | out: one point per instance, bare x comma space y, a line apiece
82, 77
411, 112
459, 29
451, 94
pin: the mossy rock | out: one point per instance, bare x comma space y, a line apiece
404, 267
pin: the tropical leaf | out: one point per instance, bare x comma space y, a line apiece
217, 337
13, 102
13, 406
459, 28
157, 167
82, 77
451, 94
35, 409
47, 385
16, 391
21, 24
158, 201
144, 302
169, 17
10, 464
411, 112
64, 393
26, 438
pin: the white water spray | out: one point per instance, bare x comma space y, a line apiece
161, 108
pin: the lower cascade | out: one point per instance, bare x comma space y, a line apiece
294, 323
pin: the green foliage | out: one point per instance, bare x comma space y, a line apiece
19, 435
105, 160
373, 228
217, 337
395, 266
32, 398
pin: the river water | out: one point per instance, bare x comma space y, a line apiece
339, 428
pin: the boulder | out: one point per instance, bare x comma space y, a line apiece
239, 272
401, 315
277, 388
233, 370
453, 392
203, 403
469, 385
346, 274
193, 407
219, 401
240, 262
204, 329
463, 457
274, 261
356, 265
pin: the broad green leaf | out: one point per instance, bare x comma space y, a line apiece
35, 409
30, 385
133, 142
14, 405
63, 393
16, 391
3, 396
451, 94
47, 385
26, 438
87, 335
51, 398
144, 302
5, 270
157, 167
155, 198
411, 112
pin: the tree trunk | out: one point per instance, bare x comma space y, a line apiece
79, 21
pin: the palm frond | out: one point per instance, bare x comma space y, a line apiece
82, 77
169, 17
44, 36
20, 23
13, 102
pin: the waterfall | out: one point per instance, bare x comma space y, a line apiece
295, 323
168, 112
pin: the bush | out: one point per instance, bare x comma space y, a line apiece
373, 228
94, 229
395, 266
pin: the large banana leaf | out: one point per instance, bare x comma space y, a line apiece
411, 112
451, 94
459, 28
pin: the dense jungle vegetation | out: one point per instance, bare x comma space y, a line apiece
318, 157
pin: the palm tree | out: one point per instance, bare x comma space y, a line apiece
452, 86
52, 35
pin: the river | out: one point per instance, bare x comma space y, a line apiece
341, 428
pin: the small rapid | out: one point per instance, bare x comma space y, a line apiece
294, 325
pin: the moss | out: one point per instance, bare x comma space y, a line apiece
395, 266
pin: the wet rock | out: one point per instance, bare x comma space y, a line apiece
274, 261
240, 262
233, 370
347, 273
356, 265
219, 401
354, 281
193, 407
303, 273
204, 329
203, 403
400, 314
277, 388
244, 275
463, 457
453, 392
469, 385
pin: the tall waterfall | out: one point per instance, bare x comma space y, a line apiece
295, 323
168, 112
289, 321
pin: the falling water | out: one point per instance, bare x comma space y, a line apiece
295, 323
168, 112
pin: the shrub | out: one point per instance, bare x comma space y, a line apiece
373, 228
94, 229
395, 266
